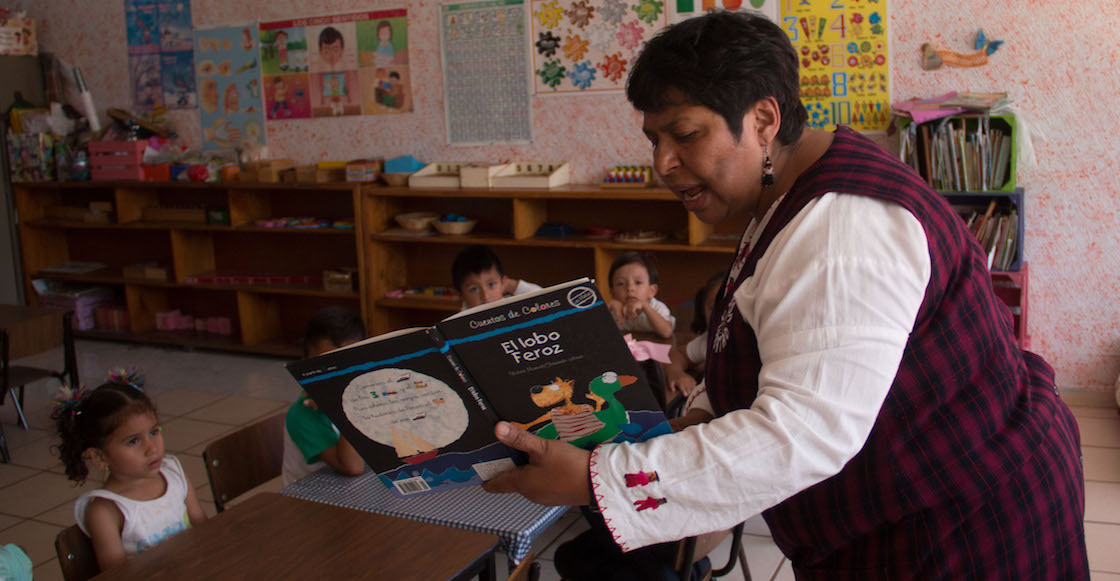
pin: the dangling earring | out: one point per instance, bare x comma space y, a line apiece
767, 169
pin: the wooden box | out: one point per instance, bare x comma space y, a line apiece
340, 280
314, 174
266, 170
478, 175
145, 270
440, 174
116, 160
533, 174
188, 215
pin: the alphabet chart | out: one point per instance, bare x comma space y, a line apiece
845, 75
485, 72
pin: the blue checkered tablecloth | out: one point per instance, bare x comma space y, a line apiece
515, 520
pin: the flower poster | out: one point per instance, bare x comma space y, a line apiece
485, 72
230, 103
845, 72
329, 66
588, 46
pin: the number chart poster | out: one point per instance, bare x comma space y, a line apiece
845, 75
329, 66
230, 103
588, 46
486, 72
160, 57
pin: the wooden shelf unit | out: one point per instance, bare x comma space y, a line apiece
508, 220
267, 319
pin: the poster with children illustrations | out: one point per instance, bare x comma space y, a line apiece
230, 105
486, 72
588, 46
160, 61
845, 72
342, 64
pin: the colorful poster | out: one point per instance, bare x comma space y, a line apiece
327, 66
486, 72
159, 35
231, 108
587, 46
683, 9
845, 72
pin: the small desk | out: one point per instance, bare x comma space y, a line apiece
515, 520
271, 536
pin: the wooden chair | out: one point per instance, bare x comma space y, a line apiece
244, 459
693, 547
75, 555
18, 376
528, 570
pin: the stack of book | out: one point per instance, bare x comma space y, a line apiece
996, 230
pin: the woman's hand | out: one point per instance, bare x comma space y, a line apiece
557, 473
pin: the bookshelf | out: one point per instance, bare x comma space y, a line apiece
967, 152
1002, 235
508, 221
157, 223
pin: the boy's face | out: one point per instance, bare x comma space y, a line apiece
331, 52
483, 287
321, 346
631, 282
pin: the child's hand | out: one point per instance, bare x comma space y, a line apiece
680, 382
633, 308
616, 312
309, 402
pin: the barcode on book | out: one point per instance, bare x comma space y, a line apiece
411, 485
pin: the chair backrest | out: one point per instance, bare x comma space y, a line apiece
528, 570
75, 554
244, 459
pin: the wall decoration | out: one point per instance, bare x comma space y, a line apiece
683, 9
587, 46
486, 72
231, 107
845, 75
345, 64
160, 61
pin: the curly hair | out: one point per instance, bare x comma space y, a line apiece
86, 423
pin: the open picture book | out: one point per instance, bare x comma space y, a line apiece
420, 404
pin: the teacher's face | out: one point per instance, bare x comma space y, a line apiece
716, 175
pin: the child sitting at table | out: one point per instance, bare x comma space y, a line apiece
687, 361
477, 274
146, 496
633, 280
311, 440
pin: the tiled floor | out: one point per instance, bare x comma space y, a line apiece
204, 395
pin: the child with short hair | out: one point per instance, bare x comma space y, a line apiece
477, 274
311, 440
633, 282
147, 496
685, 358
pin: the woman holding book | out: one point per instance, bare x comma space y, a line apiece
863, 389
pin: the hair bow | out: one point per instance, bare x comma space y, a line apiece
67, 398
131, 376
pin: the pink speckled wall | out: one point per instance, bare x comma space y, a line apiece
1060, 64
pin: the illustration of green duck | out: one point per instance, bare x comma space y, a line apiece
580, 424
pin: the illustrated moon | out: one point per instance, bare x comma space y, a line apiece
406, 400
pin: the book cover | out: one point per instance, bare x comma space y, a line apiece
419, 405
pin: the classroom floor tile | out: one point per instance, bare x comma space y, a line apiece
180, 402
35, 538
236, 410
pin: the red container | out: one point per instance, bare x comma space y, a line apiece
116, 160
160, 172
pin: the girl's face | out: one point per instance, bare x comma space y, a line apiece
384, 34
135, 449
631, 282
715, 174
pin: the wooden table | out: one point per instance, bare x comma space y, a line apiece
31, 330
272, 536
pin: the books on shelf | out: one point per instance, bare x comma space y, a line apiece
420, 404
996, 229
960, 153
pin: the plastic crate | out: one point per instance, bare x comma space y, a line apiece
116, 160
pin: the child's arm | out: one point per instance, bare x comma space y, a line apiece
343, 458
104, 522
194, 507
660, 324
677, 378
617, 311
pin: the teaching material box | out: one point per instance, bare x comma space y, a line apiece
420, 404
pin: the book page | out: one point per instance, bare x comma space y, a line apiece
500, 305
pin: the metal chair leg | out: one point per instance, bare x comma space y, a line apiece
17, 400
4, 447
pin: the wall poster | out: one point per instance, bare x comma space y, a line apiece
160, 56
845, 72
485, 72
588, 46
230, 103
328, 66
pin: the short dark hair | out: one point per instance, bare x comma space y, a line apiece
337, 324
699, 319
330, 35
474, 259
633, 257
725, 61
